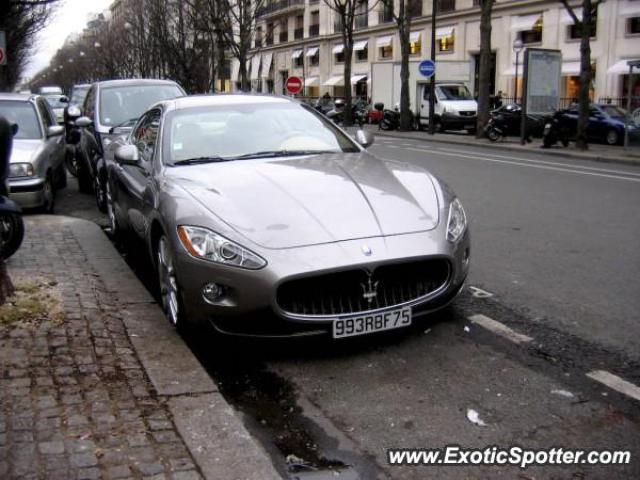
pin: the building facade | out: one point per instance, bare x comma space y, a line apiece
303, 38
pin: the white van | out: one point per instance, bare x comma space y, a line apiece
455, 108
50, 90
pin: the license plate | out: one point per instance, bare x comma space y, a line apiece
375, 322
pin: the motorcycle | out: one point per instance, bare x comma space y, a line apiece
71, 114
391, 118
11, 223
358, 113
554, 132
494, 131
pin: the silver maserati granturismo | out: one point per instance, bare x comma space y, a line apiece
264, 218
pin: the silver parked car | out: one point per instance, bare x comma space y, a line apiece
264, 218
58, 103
37, 166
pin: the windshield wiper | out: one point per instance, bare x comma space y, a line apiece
196, 160
281, 153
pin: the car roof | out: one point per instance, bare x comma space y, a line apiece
194, 101
25, 97
134, 81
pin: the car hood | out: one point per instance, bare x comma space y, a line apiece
25, 151
316, 199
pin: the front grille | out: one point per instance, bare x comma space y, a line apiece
355, 291
468, 114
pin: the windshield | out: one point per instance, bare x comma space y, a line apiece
268, 129
613, 111
23, 114
119, 104
78, 94
453, 92
54, 101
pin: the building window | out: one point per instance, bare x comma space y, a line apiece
415, 43
314, 27
575, 31
258, 39
314, 56
338, 26
446, 43
298, 33
298, 61
284, 30
338, 54
385, 15
534, 35
269, 39
386, 51
447, 6
361, 15
633, 25
362, 55
415, 8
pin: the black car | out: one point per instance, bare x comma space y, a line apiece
606, 123
110, 110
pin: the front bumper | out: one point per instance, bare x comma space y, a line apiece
249, 305
27, 192
458, 122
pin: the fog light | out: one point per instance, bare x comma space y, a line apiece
212, 292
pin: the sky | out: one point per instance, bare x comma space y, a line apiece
69, 16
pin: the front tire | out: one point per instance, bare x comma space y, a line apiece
101, 194
493, 135
48, 195
11, 233
168, 283
612, 137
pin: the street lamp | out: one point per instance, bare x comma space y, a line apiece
517, 48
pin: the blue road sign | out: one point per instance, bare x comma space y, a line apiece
427, 68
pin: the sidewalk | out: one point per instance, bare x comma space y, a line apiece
596, 152
94, 381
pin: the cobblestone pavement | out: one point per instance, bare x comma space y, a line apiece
75, 402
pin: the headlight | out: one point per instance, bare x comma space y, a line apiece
457, 222
20, 170
207, 245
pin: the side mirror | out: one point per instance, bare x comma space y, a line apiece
64, 99
14, 129
127, 155
55, 131
73, 111
83, 122
364, 138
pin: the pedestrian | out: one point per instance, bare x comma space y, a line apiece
497, 101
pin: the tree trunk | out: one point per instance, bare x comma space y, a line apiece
585, 77
347, 119
404, 26
484, 79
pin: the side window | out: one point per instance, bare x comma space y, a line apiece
88, 108
145, 135
45, 113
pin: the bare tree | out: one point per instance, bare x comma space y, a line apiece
586, 27
484, 78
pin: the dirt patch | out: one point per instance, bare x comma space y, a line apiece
36, 300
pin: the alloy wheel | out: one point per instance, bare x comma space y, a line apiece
111, 213
47, 195
168, 283
612, 137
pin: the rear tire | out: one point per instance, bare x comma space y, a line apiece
612, 137
11, 233
493, 135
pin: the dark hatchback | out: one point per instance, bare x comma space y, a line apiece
606, 123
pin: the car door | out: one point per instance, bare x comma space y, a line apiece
597, 124
134, 180
53, 154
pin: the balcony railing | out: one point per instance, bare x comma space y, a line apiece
298, 33
283, 37
279, 6
314, 30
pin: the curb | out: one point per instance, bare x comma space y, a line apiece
210, 428
513, 148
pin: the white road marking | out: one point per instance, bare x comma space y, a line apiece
544, 162
479, 293
616, 383
531, 165
499, 329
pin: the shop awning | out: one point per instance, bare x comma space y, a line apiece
522, 23
566, 18
384, 41
336, 80
296, 53
356, 78
235, 70
310, 81
255, 67
360, 45
337, 49
620, 68
414, 37
442, 32
311, 52
629, 8
570, 68
266, 64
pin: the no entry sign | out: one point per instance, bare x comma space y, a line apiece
293, 85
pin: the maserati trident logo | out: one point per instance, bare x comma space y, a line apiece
369, 290
366, 249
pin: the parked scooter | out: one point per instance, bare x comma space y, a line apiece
390, 118
358, 113
11, 224
554, 132
494, 130
71, 114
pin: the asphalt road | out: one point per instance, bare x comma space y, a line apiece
556, 246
